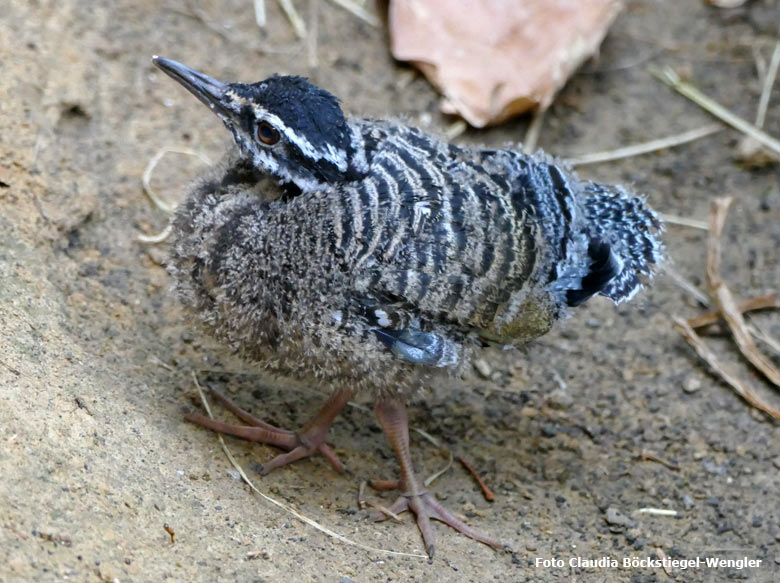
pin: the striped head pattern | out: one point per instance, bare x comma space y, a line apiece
285, 125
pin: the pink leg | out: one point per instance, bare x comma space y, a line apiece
304, 443
414, 498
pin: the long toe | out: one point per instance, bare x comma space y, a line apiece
268, 434
425, 507
300, 452
440, 513
297, 445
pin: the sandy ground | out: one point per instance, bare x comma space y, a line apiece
96, 357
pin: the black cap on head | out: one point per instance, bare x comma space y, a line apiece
306, 109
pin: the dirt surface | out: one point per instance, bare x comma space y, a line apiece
96, 356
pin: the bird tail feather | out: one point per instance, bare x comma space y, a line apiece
631, 229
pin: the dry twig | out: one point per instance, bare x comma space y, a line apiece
486, 491
757, 303
709, 357
161, 204
649, 456
724, 299
170, 532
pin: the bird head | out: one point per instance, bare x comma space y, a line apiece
284, 125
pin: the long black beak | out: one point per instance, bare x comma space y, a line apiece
210, 91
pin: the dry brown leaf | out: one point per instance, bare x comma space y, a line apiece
493, 59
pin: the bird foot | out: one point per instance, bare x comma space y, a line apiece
414, 498
307, 442
425, 507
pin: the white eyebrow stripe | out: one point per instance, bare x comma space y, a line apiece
333, 155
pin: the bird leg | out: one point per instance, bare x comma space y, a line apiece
414, 497
298, 444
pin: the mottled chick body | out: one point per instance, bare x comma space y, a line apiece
463, 244
370, 255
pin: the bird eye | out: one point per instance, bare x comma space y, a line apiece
267, 133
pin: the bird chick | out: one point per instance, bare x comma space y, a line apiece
368, 256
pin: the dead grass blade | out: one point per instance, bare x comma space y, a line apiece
656, 511
766, 90
709, 357
683, 221
295, 19
146, 180
358, 11
686, 285
764, 337
531, 139
645, 147
668, 76
259, 6
158, 238
724, 299
312, 56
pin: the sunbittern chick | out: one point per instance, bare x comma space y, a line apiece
368, 255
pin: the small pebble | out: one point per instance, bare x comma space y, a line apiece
560, 399
617, 518
691, 384
776, 462
157, 255
483, 368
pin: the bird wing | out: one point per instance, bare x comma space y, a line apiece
454, 251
